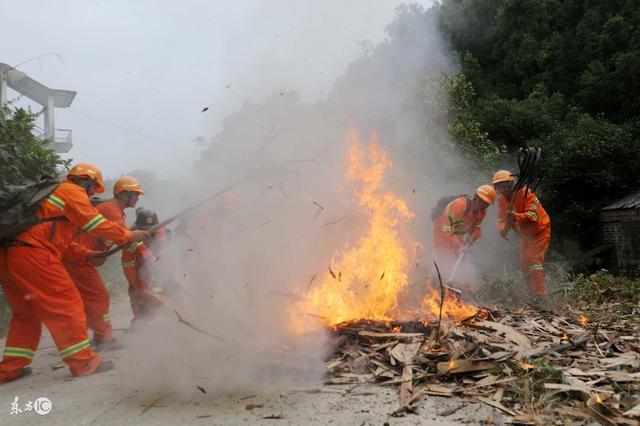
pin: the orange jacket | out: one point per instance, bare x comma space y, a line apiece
530, 217
84, 242
457, 220
71, 201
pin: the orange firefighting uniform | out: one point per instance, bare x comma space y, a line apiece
136, 259
533, 225
458, 221
86, 277
39, 289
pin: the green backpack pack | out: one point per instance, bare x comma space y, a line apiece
19, 205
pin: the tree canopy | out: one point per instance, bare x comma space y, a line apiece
23, 156
562, 75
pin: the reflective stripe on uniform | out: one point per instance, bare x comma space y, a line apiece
56, 201
446, 228
19, 352
74, 349
93, 223
133, 247
106, 317
536, 267
532, 215
129, 264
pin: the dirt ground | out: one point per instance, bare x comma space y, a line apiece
113, 398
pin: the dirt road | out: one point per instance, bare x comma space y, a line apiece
119, 398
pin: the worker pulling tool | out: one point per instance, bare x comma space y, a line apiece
521, 210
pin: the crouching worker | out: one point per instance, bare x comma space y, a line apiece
137, 263
459, 226
39, 288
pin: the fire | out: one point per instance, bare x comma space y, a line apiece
525, 365
584, 320
565, 336
452, 364
365, 279
598, 400
453, 307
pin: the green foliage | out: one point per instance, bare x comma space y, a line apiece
590, 162
562, 75
603, 288
465, 129
22, 155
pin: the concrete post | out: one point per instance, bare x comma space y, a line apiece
49, 122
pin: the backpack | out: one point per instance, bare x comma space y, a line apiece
19, 205
443, 202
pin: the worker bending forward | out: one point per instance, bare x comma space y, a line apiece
523, 212
459, 225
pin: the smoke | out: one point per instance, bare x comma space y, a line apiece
234, 266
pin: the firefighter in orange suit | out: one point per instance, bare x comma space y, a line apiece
523, 212
459, 225
137, 259
85, 275
37, 285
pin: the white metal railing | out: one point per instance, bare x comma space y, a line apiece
62, 142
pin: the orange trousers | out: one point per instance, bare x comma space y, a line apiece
532, 251
143, 306
39, 290
95, 298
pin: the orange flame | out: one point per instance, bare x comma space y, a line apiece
598, 400
584, 320
453, 307
374, 269
525, 365
565, 336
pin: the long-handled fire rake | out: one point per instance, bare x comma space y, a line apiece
165, 222
457, 264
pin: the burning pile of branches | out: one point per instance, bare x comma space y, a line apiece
529, 365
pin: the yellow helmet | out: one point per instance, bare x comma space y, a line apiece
127, 183
503, 176
487, 193
90, 171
